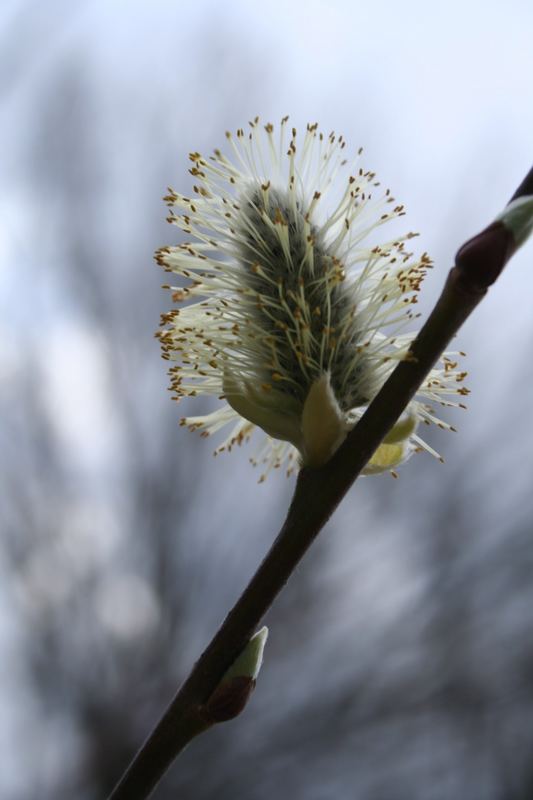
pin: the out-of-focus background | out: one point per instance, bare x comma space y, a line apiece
400, 661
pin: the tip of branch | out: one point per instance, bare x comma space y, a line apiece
481, 260
525, 188
517, 217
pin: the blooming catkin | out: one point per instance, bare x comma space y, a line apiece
294, 313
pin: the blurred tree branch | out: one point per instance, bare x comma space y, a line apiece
479, 262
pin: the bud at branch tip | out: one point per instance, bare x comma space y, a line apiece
518, 218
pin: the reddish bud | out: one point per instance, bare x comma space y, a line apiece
482, 259
228, 699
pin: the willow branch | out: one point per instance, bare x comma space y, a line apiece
317, 493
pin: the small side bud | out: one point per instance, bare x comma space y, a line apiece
228, 700
234, 690
250, 660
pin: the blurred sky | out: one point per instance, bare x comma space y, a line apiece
439, 96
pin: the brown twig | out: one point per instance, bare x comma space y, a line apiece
317, 494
